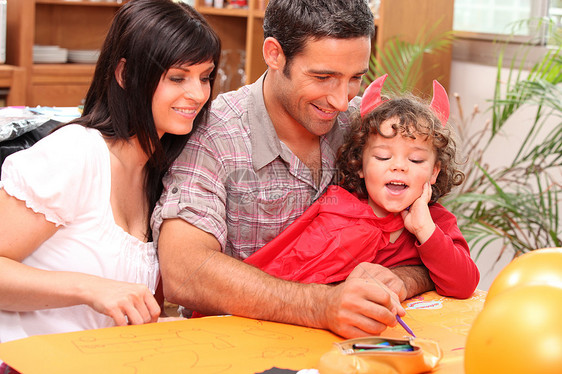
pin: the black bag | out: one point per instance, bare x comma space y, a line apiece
26, 140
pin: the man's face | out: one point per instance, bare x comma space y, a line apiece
322, 80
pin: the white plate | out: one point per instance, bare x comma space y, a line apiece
83, 56
45, 48
50, 54
49, 60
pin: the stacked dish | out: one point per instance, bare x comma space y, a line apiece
83, 56
49, 54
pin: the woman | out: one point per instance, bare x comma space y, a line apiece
76, 250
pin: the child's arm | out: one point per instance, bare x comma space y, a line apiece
417, 218
447, 256
441, 247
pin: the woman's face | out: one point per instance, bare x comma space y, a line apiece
395, 169
179, 97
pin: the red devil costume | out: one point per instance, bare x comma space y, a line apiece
339, 231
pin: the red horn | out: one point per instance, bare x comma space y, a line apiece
372, 95
440, 102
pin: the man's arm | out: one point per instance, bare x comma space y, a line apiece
198, 276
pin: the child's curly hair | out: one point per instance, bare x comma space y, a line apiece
415, 118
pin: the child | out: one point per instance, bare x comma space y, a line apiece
397, 162
76, 251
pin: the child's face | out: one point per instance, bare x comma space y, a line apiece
395, 170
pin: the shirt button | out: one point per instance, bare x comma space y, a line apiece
174, 190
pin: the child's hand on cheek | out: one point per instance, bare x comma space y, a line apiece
417, 219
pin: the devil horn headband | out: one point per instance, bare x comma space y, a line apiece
372, 99
372, 95
440, 102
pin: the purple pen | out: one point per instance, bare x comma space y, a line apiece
403, 324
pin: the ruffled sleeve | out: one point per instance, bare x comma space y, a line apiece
57, 176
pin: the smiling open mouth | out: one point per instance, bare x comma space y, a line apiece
396, 186
331, 112
325, 111
185, 111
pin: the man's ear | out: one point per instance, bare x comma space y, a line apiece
119, 73
273, 54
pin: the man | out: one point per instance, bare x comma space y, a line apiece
267, 152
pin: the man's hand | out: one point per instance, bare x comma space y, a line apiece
361, 307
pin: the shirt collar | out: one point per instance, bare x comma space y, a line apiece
266, 146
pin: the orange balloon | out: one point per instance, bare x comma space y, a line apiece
541, 266
518, 332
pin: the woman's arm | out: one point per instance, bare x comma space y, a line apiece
24, 288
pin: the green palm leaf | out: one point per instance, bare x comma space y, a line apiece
401, 60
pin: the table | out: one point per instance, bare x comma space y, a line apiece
445, 320
229, 344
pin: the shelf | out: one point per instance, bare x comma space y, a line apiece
234, 12
6, 75
70, 24
62, 73
59, 84
240, 29
12, 77
82, 24
101, 3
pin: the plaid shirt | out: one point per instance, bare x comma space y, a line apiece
237, 181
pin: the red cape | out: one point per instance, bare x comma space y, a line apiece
328, 241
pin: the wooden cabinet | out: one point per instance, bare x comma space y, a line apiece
406, 19
83, 24
13, 78
243, 29
240, 29
75, 24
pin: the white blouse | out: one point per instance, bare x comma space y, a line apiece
67, 177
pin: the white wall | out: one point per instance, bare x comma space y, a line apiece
475, 84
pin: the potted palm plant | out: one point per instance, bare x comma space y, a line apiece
403, 61
517, 203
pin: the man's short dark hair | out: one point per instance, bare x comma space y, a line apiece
294, 22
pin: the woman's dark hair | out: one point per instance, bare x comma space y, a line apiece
415, 119
293, 23
151, 36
